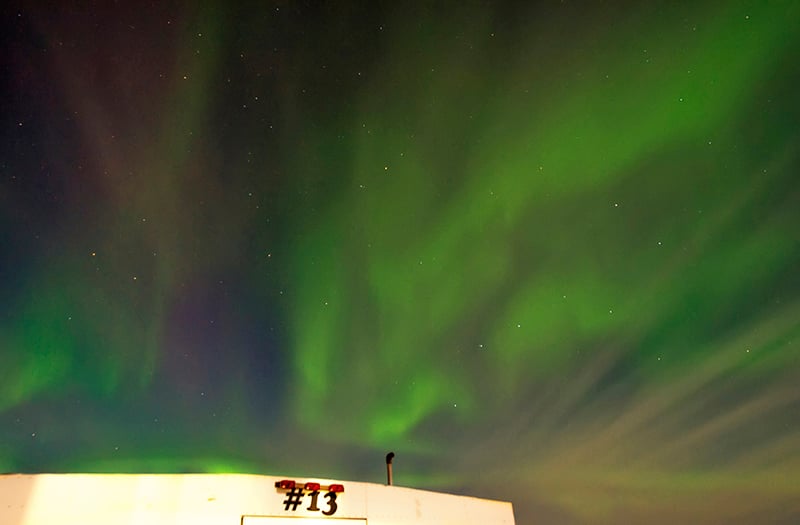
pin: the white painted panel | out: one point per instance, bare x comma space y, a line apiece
265, 520
223, 499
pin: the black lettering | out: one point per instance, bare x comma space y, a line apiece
331, 504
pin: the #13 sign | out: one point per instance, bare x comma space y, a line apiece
295, 495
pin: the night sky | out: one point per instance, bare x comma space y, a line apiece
546, 253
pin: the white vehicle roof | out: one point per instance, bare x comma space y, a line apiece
231, 499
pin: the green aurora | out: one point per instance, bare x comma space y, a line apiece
548, 254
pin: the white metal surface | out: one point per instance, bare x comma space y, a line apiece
261, 520
226, 499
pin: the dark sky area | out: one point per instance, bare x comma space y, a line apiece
546, 252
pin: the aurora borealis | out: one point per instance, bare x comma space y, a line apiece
548, 253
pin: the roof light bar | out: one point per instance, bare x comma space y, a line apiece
310, 486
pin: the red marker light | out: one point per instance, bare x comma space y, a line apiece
336, 488
312, 486
285, 484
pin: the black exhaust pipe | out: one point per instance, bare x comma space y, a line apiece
389, 458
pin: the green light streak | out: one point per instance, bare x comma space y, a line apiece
444, 246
